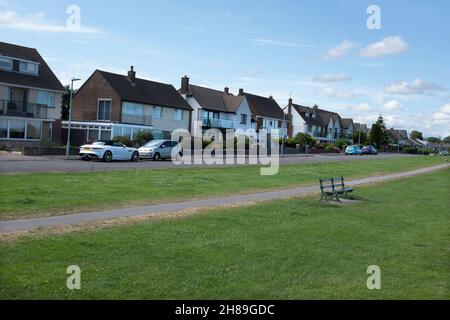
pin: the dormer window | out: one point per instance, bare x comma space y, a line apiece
6, 63
313, 115
28, 67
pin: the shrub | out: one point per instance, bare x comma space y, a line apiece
124, 140
304, 139
320, 146
341, 142
142, 137
331, 148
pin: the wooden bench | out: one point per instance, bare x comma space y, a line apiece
333, 188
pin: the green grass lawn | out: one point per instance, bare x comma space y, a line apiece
290, 249
26, 195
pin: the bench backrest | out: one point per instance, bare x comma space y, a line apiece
338, 184
326, 185
332, 184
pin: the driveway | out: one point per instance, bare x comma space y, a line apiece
21, 164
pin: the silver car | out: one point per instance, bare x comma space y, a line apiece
160, 149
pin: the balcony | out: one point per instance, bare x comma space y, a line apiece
134, 119
22, 109
218, 123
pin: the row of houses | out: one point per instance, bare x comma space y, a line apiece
109, 105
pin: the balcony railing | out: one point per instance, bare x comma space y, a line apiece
23, 109
218, 123
141, 120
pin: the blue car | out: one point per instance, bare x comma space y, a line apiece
353, 150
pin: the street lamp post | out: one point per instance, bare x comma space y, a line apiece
70, 118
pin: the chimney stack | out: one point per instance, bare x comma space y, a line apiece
271, 97
241, 92
316, 107
184, 85
132, 74
227, 90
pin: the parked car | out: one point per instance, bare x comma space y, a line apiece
160, 149
369, 150
443, 153
107, 150
353, 150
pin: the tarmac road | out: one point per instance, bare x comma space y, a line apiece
21, 164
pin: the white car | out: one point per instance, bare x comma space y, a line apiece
108, 151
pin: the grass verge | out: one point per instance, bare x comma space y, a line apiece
45, 194
290, 249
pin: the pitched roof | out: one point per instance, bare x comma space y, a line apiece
303, 111
346, 122
360, 127
399, 134
215, 100
323, 116
145, 91
264, 107
45, 79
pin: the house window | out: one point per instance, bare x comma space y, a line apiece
104, 110
17, 129
5, 63
178, 114
46, 98
50, 131
33, 130
243, 119
133, 109
28, 67
3, 128
310, 128
157, 112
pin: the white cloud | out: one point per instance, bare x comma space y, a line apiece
36, 22
417, 86
271, 42
387, 46
362, 107
341, 50
392, 105
331, 78
330, 92
443, 114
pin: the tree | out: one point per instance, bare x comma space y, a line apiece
65, 102
375, 135
416, 135
359, 137
385, 138
446, 140
434, 140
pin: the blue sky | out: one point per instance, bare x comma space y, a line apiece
318, 52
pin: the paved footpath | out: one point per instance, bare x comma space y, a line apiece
161, 209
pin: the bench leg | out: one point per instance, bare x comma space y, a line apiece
337, 198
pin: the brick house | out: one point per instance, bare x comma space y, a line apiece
30, 98
109, 105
